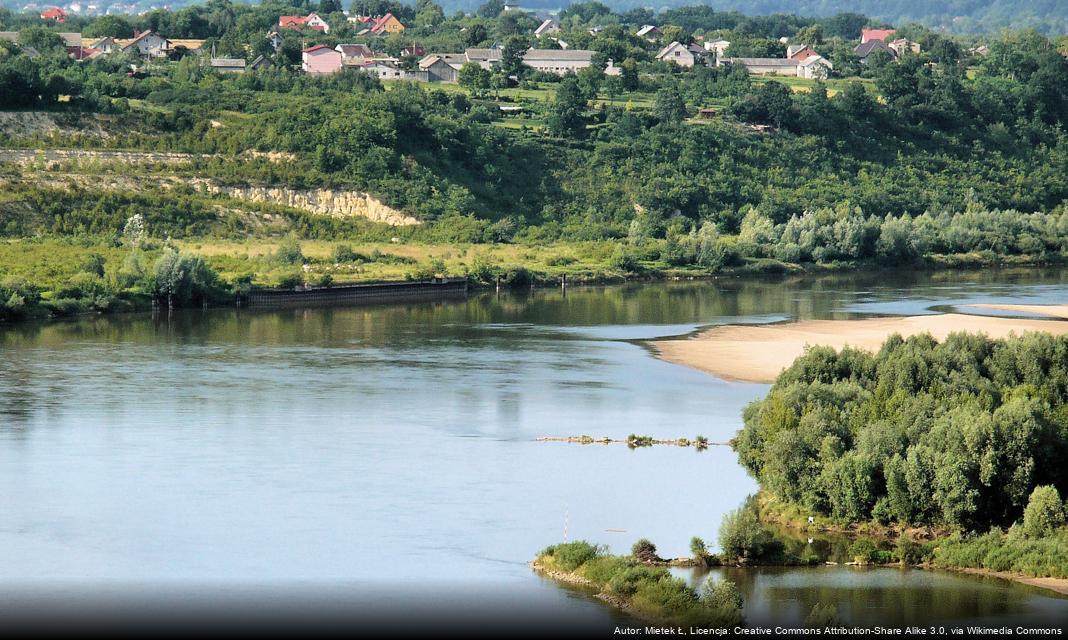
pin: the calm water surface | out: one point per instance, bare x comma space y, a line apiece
364, 450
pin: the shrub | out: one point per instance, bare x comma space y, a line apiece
722, 594
626, 582
644, 551
698, 547
626, 261
184, 278
569, 556
290, 280
910, 552
18, 298
343, 253
669, 596
1044, 512
289, 251
602, 569
743, 538
94, 264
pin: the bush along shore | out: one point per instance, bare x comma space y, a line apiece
641, 586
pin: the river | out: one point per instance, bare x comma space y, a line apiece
378, 454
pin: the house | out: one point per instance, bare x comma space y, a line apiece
320, 60
442, 67
867, 35
485, 57
74, 45
148, 44
800, 52
717, 47
311, 21
684, 55
105, 45
765, 66
413, 51
560, 62
228, 65
981, 50
275, 39
386, 24
865, 49
355, 52
385, 70
649, 32
901, 45
55, 14
548, 26
814, 68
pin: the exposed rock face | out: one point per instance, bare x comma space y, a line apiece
33, 123
329, 202
30, 156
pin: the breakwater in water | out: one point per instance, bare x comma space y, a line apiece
441, 288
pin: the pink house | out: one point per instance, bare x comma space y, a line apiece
320, 59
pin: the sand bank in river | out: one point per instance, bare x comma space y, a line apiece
1051, 310
758, 353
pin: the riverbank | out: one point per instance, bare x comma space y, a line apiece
758, 353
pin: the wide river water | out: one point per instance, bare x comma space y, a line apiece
379, 452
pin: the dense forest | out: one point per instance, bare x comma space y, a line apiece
957, 434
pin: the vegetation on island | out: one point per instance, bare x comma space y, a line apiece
965, 436
641, 586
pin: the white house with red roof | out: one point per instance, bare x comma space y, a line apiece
311, 21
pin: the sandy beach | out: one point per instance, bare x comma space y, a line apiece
758, 353
1050, 310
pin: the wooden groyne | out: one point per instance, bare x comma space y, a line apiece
439, 289
635, 441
